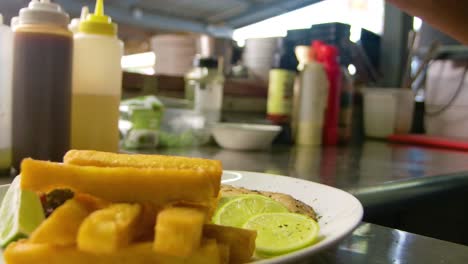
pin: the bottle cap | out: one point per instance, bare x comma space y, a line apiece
98, 23
14, 22
207, 62
284, 57
75, 22
42, 12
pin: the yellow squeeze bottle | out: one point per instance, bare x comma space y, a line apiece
96, 83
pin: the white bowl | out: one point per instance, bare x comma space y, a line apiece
239, 136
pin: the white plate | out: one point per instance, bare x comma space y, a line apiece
339, 211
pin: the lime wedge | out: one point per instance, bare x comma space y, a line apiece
21, 212
281, 233
237, 211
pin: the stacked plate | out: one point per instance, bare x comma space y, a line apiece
174, 53
258, 56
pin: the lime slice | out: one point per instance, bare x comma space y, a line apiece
280, 233
21, 212
237, 211
222, 201
225, 199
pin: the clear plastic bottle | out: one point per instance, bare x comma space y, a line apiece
313, 94
6, 62
206, 82
42, 57
97, 83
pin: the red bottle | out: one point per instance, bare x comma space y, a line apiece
328, 56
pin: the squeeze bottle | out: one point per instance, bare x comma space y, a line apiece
41, 82
97, 83
327, 55
6, 65
281, 85
313, 93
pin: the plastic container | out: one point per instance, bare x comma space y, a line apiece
313, 94
328, 56
258, 56
6, 67
443, 80
42, 71
205, 84
174, 53
387, 111
143, 116
97, 83
183, 128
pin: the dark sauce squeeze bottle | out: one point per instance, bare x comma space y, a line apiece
42, 64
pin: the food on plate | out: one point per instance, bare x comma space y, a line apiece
241, 242
283, 224
109, 229
211, 168
178, 231
281, 233
20, 213
61, 227
121, 184
237, 211
23, 252
294, 206
130, 209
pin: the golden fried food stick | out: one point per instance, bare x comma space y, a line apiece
61, 227
212, 168
178, 231
109, 229
160, 187
241, 242
224, 253
23, 252
208, 253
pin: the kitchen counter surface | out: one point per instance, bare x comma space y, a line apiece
372, 171
375, 167
376, 244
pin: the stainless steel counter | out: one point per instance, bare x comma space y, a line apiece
378, 245
375, 166
362, 169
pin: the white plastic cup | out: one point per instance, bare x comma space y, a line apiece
443, 80
387, 111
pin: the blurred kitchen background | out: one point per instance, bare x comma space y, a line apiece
408, 72
306, 88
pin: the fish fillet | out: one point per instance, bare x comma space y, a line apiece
293, 205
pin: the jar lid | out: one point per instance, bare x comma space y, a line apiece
204, 62
43, 12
